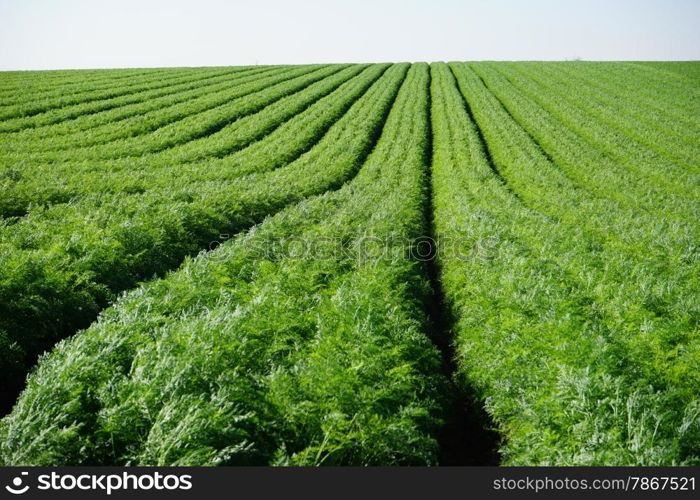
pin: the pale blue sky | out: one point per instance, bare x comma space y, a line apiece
48, 34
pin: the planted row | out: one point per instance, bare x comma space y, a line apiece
50, 184
50, 130
244, 100
658, 91
554, 314
657, 155
17, 85
169, 115
626, 100
592, 161
32, 105
249, 358
62, 265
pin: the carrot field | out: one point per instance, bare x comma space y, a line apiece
351, 264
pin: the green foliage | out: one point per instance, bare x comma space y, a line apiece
571, 320
564, 198
54, 110
273, 358
178, 122
55, 183
60, 265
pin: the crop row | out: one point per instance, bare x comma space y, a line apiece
60, 266
626, 140
651, 113
249, 82
47, 130
571, 325
659, 92
18, 85
685, 70
274, 358
246, 100
31, 105
176, 124
307, 112
565, 207
595, 159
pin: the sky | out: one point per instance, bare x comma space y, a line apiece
61, 34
